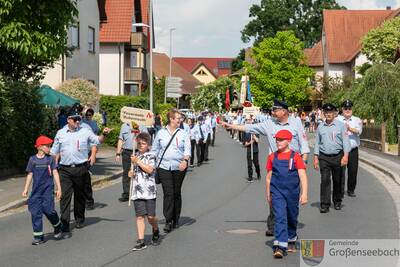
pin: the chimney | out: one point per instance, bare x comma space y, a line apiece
388, 8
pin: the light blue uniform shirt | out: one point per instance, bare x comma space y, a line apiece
213, 122
331, 138
204, 129
127, 136
353, 122
178, 149
270, 127
73, 146
194, 132
93, 125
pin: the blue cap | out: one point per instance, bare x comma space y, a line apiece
347, 104
280, 104
329, 107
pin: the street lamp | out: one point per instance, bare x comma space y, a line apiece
151, 49
170, 62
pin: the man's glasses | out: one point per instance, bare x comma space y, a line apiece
346, 108
75, 119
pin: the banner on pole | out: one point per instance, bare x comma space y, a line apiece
142, 117
243, 89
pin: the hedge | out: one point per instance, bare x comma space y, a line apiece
23, 118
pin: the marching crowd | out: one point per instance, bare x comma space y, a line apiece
164, 157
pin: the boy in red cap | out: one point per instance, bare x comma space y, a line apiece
42, 170
285, 172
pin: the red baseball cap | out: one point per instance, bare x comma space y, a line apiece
284, 134
43, 140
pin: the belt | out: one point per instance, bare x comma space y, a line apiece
73, 165
354, 149
128, 150
331, 155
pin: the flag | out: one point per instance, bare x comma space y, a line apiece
227, 99
249, 97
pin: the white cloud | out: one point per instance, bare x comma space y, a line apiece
369, 4
203, 28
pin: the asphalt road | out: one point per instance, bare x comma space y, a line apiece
223, 217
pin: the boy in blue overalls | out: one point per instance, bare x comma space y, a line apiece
42, 169
285, 172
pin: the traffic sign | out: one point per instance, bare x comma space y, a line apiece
174, 95
174, 90
174, 84
174, 79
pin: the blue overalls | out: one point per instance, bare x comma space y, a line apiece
41, 199
285, 192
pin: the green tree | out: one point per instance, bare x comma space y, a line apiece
237, 63
380, 44
279, 71
209, 95
304, 17
82, 90
33, 35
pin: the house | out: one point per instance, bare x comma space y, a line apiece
189, 83
338, 54
206, 70
124, 48
84, 39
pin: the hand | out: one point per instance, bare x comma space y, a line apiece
269, 199
183, 165
226, 125
131, 174
117, 158
134, 159
106, 131
58, 194
316, 163
344, 161
92, 160
303, 199
25, 193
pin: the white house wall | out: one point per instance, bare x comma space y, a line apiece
85, 64
360, 60
339, 70
111, 73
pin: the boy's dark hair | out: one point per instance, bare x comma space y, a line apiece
90, 111
145, 137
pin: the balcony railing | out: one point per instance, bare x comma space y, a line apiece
138, 39
136, 75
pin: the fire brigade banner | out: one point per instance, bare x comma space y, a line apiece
243, 89
142, 117
350, 252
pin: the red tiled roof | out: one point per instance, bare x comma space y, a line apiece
144, 5
118, 26
314, 55
191, 63
344, 30
161, 69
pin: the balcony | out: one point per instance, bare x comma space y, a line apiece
139, 40
135, 75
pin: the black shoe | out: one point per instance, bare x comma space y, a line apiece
89, 206
351, 194
155, 239
57, 232
198, 164
37, 240
338, 206
168, 227
269, 233
140, 245
279, 253
324, 210
79, 225
258, 177
250, 179
123, 199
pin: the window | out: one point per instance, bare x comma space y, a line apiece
75, 36
91, 40
224, 64
201, 72
133, 59
131, 89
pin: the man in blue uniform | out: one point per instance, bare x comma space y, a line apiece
269, 128
71, 149
331, 152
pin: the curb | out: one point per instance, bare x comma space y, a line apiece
23, 201
395, 177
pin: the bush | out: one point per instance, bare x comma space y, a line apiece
23, 119
82, 90
112, 137
113, 104
163, 109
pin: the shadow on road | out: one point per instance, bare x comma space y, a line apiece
94, 220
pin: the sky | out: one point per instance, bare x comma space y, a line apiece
211, 28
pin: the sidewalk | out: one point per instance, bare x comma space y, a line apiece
105, 169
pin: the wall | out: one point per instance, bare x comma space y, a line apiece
205, 79
111, 81
53, 76
339, 70
85, 64
359, 61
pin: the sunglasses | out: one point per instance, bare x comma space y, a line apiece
75, 119
346, 108
142, 143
